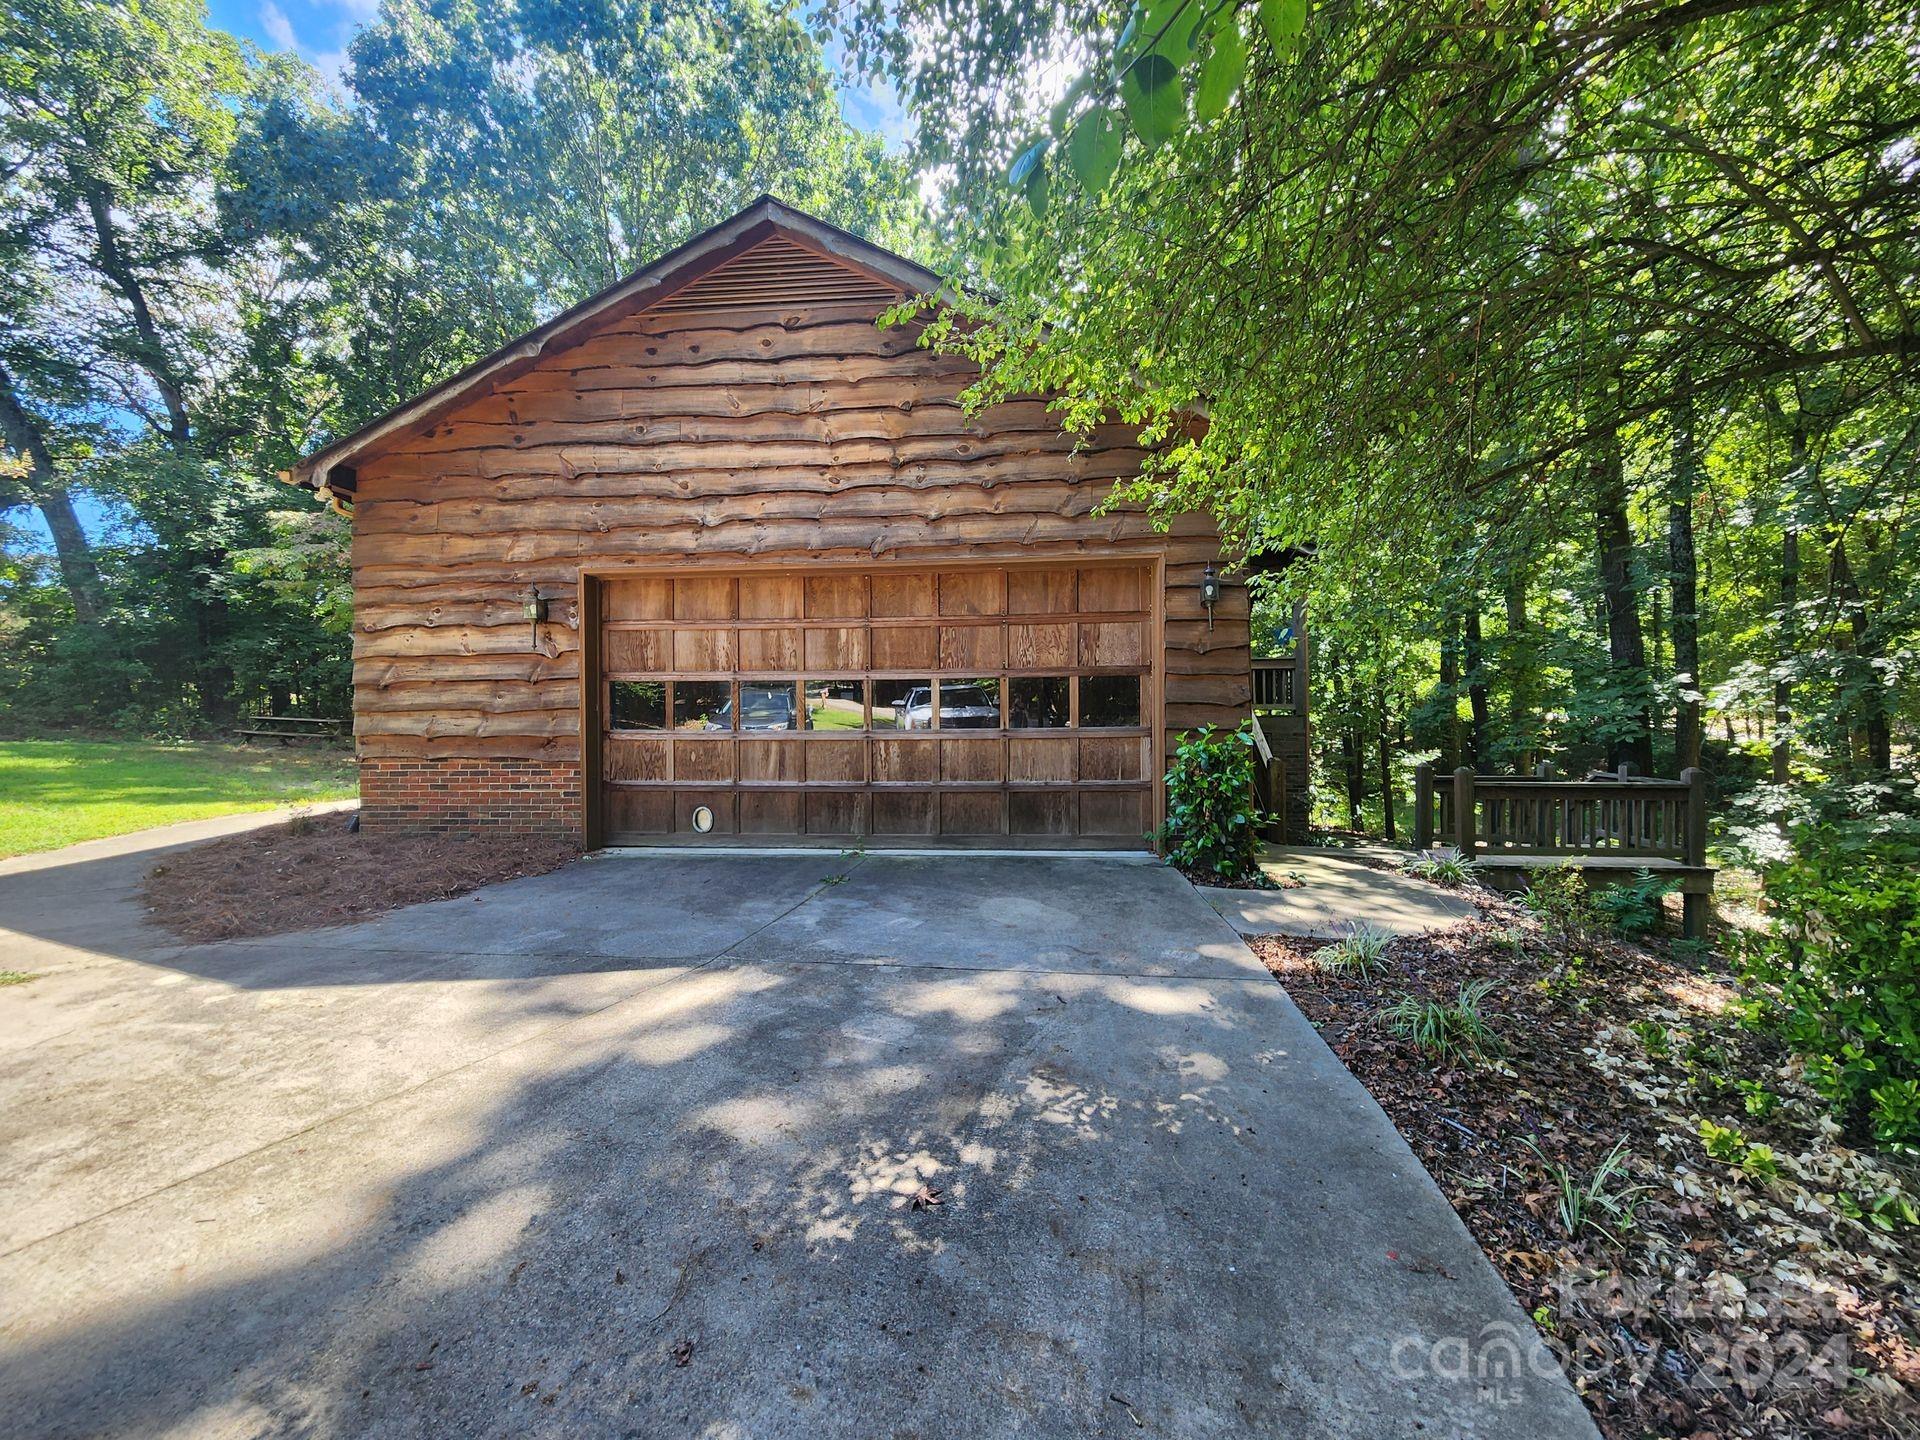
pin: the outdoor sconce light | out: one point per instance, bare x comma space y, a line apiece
536, 612
1210, 591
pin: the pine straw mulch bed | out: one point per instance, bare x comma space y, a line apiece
1737, 1299
312, 872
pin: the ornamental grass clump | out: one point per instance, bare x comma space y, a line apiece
1452, 1030
1362, 951
1603, 1200
1449, 872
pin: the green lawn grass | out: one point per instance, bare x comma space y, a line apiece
55, 792
833, 717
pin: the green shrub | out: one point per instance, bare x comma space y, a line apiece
1213, 825
1890, 1211
1759, 1100
1653, 1035
1559, 897
1841, 969
1728, 1145
1633, 907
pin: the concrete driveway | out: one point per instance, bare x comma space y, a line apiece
634, 1149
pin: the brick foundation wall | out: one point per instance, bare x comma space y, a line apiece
515, 796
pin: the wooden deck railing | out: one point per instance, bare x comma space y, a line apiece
1654, 819
1276, 684
1269, 782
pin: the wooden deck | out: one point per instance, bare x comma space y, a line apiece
1509, 827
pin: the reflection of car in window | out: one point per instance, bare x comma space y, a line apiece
770, 708
912, 711
969, 707
917, 711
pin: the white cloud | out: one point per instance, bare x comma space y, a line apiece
279, 29
330, 64
875, 105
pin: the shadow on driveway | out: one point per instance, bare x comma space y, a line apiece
799, 1146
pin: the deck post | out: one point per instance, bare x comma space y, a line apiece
1463, 811
1694, 852
1423, 807
1695, 848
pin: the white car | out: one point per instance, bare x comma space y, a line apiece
962, 707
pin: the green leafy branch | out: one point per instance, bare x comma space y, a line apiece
1144, 92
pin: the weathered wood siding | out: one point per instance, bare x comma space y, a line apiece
801, 433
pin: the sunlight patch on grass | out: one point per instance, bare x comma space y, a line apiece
59, 792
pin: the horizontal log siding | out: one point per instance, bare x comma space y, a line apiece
807, 435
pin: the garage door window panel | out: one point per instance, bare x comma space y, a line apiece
637, 705
1110, 702
970, 703
903, 704
836, 704
1039, 702
702, 705
768, 705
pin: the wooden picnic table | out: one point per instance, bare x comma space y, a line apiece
286, 728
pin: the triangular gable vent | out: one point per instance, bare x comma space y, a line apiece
777, 273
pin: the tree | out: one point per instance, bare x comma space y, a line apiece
220, 266
1434, 269
116, 123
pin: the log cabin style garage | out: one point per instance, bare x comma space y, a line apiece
714, 558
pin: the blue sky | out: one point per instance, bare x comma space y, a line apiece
320, 30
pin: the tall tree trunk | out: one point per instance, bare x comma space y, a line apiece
1871, 728
1657, 673
1384, 748
79, 572
1684, 580
1475, 657
1782, 678
1626, 643
151, 352
1521, 721
1789, 627
1450, 735
1350, 757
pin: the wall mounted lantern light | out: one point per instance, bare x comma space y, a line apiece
1210, 591
536, 609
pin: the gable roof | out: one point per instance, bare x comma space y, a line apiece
767, 252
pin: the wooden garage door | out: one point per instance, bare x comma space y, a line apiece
982, 705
